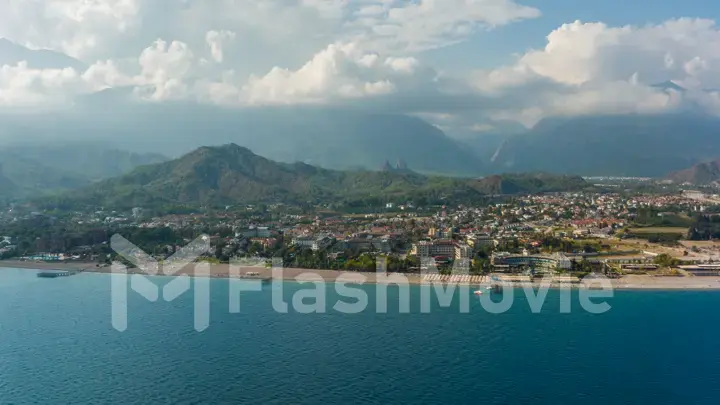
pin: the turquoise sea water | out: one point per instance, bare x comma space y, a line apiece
57, 346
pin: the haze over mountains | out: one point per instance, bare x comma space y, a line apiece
619, 145
630, 145
30, 170
344, 137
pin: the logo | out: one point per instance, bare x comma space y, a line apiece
438, 288
146, 265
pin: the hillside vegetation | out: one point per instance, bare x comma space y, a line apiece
232, 174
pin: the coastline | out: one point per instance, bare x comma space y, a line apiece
629, 282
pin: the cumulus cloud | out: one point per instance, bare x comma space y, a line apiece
21, 85
594, 68
365, 53
339, 71
581, 52
165, 68
217, 40
75, 27
91, 29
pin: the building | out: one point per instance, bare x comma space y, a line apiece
421, 249
369, 243
322, 243
446, 233
303, 241
641, 267
447, 248
702, 269
480, 240
443, 248
264, 242
504, 260
463, 251
255, 232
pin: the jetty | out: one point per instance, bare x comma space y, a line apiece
58, 273
256, 276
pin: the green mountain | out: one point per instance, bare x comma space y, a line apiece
701, 174
232, 174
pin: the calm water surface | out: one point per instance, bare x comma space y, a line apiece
57, 346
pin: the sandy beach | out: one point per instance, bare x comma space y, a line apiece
32, 265
629, 282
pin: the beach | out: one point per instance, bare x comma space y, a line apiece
628, 282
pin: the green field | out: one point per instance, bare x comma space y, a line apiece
659, 230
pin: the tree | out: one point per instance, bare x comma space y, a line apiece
255, 248
665, 260
585, 266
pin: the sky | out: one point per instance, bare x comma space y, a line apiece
467, 66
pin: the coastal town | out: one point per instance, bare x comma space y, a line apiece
568, 235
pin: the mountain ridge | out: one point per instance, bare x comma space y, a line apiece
616, 145
700, 174
230, 174
332, 138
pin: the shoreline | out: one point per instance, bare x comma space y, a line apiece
630, 282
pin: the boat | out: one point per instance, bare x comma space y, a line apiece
478, 292
489, 287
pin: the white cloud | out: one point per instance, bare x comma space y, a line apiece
250, 52
593, 68
165, 67
75, 27
21, 85
397, 25
580, 52
339, 71
92, 29
217, 40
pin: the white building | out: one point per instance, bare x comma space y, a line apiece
322, 242
462, 251
303, 241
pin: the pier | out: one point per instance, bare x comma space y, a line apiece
58, 273
264, 279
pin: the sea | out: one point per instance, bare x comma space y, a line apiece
58, 345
